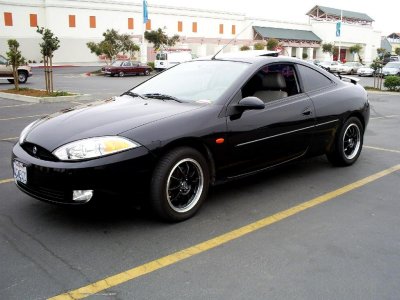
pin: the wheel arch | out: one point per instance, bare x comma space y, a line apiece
197, 145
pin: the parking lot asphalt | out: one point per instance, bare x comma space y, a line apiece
304, 231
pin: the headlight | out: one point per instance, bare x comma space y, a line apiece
25, 131
94, 147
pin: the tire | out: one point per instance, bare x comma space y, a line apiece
121, 74
179, 184
10, 80
348, 143
147, 73
22, 77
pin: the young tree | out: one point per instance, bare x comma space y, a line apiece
50, 44
160, 39
328, 48
16, 59
356, 49
113, 44
272, 44
381, 52
259, 46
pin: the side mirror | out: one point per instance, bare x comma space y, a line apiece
250, 103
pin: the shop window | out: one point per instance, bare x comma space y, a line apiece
33, 20
233, 29
221, 28
180, 26
148, 24
194, 26
92, 21
130, 23
71, 21
8, 21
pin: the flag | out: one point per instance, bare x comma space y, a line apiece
338, 28
145, 12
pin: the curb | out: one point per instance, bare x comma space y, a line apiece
383, 93
81, 97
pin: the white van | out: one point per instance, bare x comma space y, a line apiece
167, 59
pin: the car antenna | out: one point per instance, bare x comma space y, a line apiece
251, 23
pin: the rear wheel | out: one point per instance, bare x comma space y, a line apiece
121, 74
22, 77
348, 143
179, 184
147, 72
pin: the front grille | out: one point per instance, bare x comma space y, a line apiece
46, 194
38, 152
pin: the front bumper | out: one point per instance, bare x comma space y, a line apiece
54, 181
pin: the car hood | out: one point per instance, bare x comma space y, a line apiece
390, 69
102, 118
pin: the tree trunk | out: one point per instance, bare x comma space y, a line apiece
45, 73
16, 82
51, 74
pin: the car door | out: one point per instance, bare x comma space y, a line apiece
278, 133
5, 68
127, 67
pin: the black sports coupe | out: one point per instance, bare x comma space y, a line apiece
197, 124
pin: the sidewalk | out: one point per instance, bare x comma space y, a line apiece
69, 64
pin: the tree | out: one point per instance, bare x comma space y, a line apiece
160, 39
328, 48
356, 49
113, 44
259, 46
272, 44
381, 52
397, 51
244, 48
50, 44
16, 59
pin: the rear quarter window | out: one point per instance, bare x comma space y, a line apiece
313, 80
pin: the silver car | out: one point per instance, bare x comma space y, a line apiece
391, 68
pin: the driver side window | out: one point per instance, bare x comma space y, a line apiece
272, 82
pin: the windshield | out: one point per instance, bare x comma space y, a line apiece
202, 81
393, 65
116, 63
161, 56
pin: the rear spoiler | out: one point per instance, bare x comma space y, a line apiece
352, 79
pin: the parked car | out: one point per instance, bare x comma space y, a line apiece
168, 58
366, 70
350, 67
391, 68
329, 65
126, 67
194, 125
6, 71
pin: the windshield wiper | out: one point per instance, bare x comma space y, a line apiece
132, 94
162, 97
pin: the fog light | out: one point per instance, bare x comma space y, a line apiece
82, 195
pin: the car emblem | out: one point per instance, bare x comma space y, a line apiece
34, 150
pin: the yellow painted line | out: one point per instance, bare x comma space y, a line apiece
10, 139
176, 257
382, 149
384, 117
17, 105
24, 117
6, 180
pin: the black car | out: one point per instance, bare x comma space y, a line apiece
197, 124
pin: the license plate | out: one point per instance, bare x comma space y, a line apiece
20, 173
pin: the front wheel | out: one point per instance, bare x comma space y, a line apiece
121, 74
348, 143
179, 184
147, 73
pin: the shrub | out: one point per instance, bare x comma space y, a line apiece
392, 83
244, 48
259, 46
305, 55
151, 64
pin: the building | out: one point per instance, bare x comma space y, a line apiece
394, 41
204, 31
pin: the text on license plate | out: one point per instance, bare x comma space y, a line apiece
20, 173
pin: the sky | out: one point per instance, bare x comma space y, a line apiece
385, 13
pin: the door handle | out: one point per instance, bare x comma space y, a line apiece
307, 112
